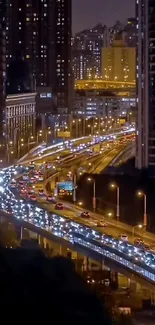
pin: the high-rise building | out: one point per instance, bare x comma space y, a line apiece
114, 30
2, 78
91, 40
130, 32
83, 65
41, 30
145, 151
119, 61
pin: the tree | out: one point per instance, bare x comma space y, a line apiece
8, 236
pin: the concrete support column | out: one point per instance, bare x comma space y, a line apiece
85, 263
21, 233
153, 298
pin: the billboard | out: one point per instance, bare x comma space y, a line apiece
67, 186
65, 134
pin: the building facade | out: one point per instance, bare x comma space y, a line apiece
19, 123
83, 65
119, 62
2, 79
145, 151
91, 40
130, 32
41, 31
93, 103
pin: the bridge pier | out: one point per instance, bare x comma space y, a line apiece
21, 233
153, 299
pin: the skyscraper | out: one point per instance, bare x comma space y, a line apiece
130, 32
118, 61
41, 30
145, 151
83, 63
2, 77
91, 40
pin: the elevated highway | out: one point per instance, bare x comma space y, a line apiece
90, 240
104, 84
43, 151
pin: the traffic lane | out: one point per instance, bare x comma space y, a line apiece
75, 215
79, 161
53, 157
103, 164
74, 145
94, 218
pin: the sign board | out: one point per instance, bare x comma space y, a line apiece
67, 186
122, 121
65, 134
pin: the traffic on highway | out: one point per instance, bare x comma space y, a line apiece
134, 257
44, 151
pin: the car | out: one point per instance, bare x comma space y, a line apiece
146, 247
43, 196
25, 177
23, 191
32, 197
40, 192
123, 237
32, 180
101, 224
138, 241
51, 199
85, 214
22, 183
30, 192
13, 184
59, 206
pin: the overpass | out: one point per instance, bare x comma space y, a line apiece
44, 151
104, 84
76, 235
93, 248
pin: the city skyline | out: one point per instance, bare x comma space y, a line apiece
97, 11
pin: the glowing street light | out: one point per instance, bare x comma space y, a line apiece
133, 229
142, 194
94, 192
115, 186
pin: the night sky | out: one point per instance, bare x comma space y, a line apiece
87, 13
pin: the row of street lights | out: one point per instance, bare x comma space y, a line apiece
115, 186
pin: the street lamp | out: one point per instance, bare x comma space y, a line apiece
142, 194
118, 205
94, 192
29, 141
133, 229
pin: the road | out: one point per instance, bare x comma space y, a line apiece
44, 151
127, 256
72, 212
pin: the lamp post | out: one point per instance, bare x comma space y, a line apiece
39, 134
133, 229
47, 133
74, 188
118, 199
94, 192
142, 194
29, 141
